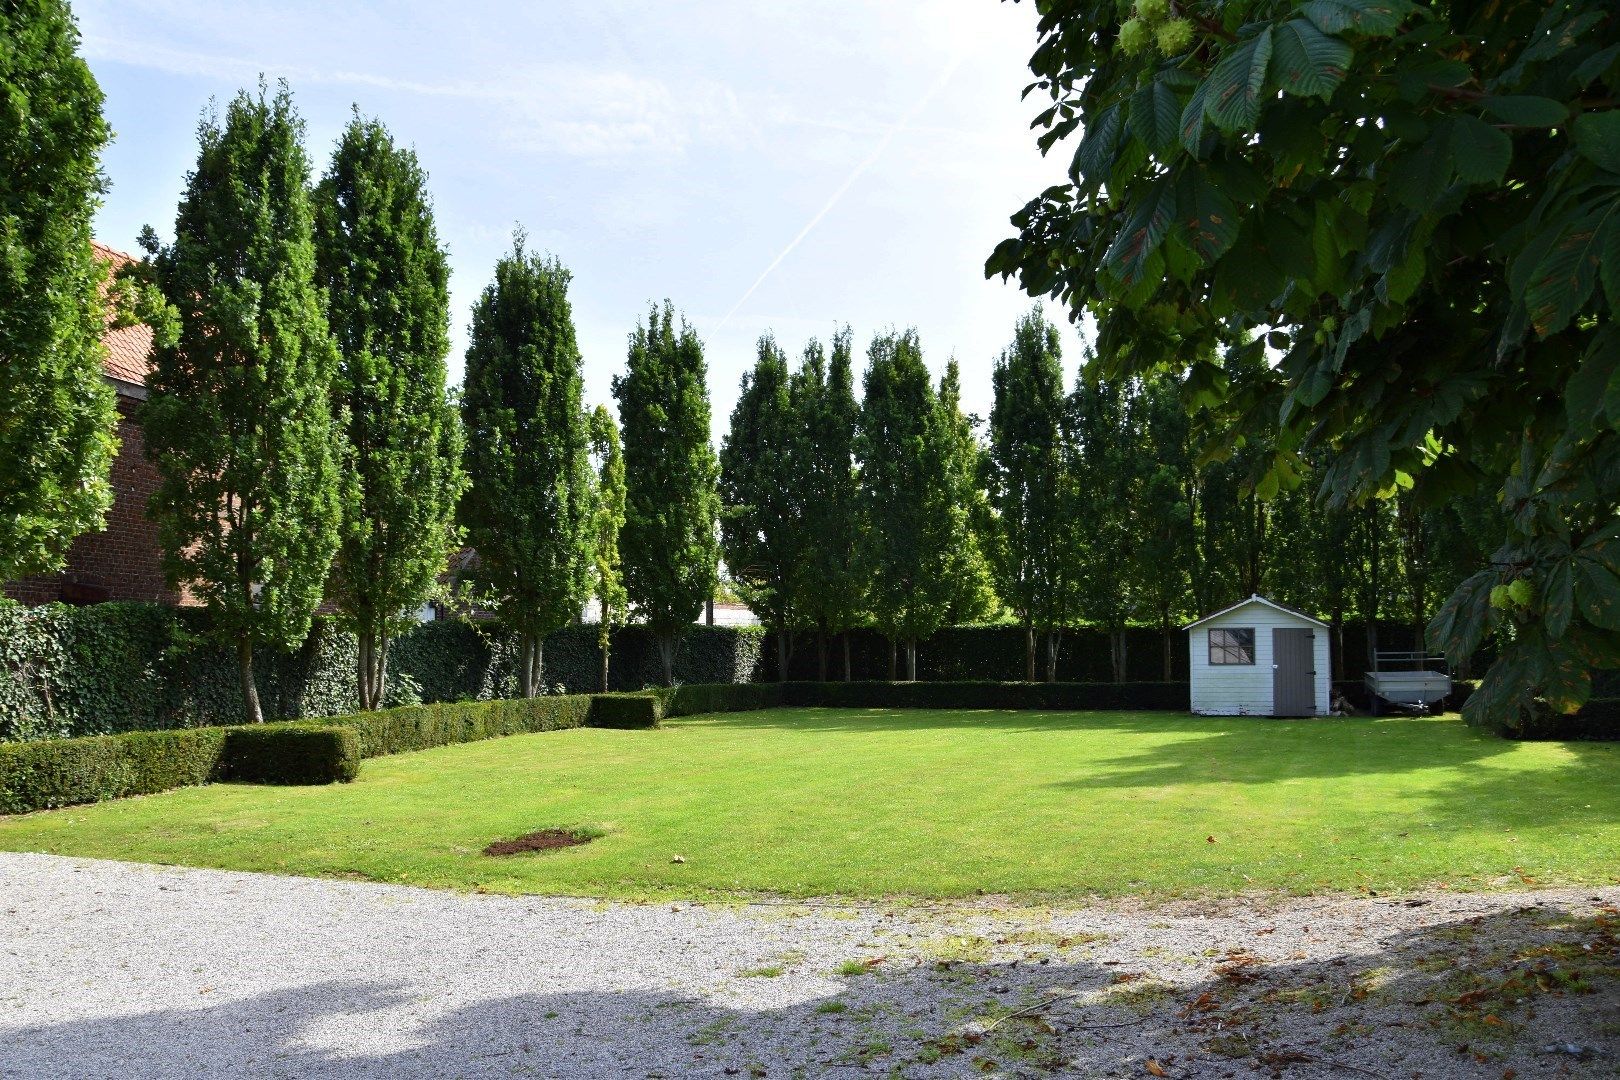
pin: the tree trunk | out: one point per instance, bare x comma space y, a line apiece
782, 654
893, 651
1338, 646
250, 690
846, 656
1116, 653
911, 660
1029, 649
373, 669
1169, 646
666, 654
606, 647
529, 666
1054, 641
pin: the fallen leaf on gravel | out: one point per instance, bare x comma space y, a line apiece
1155, 1069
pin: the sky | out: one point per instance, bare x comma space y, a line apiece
785, 166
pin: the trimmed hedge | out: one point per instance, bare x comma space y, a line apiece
692, 699
63, 772
641, 710
106, 668
422, 727
1138, 696
295, 753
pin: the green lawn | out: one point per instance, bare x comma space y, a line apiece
873, 802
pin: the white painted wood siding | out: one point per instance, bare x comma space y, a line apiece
1241, 689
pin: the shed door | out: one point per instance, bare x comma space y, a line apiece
1293, 680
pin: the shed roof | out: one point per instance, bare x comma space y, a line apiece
1256, 599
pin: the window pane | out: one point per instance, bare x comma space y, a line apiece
1235, 646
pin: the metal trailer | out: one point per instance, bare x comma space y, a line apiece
1414, 681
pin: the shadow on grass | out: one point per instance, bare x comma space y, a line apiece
1529, 993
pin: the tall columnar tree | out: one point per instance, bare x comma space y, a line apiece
528, 511
388, 303
902, 472
1025, 476
1419, 204
830, 586
670, 541
57, 414
239, 420
1104, 467
607, 520
963, 509
1162, 561
762, 526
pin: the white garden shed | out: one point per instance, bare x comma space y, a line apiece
1259, 658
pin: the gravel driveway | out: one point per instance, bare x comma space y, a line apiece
118, 970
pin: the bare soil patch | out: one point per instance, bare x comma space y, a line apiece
544, 840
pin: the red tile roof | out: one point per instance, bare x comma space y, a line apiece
129, 348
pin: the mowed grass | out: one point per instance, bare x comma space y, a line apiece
869, 803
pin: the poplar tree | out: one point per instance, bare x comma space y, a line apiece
1025, 476
670, 542
901, 472
607, 570
238, 419
388, 303
961, 508
529, 511
57, 414
831, 589
762, 527
1105, 458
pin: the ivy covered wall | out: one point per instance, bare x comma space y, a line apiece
68, 671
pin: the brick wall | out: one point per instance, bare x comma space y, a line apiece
122, 561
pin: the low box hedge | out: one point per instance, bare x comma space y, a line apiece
64, 772
637, 710
692, 699
422, 727
293, 753
1057, 697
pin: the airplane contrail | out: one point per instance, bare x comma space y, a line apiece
866, 163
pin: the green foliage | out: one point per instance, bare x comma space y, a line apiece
238, 421
63, 772
421, 727
694, 699
911, 522
529, 512
637, 710
1135, 697
1025, 479
962, 509
57, 414
762, 524
73, 671
296, 753
388, 303
607, 521
1420, 206
829, 585
670, 541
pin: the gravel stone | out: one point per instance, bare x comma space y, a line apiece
121, 970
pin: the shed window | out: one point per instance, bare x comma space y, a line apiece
1234, 646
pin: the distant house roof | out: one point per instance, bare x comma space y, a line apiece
1255, 599
129, 348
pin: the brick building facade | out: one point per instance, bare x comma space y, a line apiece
123, 560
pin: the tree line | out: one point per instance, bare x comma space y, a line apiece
1097, 505
308, 446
